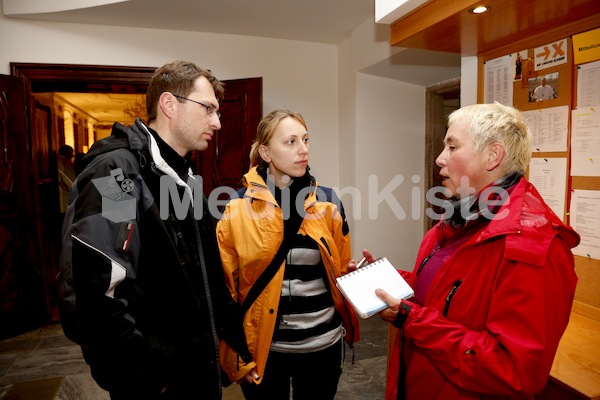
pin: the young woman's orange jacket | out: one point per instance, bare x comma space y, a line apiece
249, 235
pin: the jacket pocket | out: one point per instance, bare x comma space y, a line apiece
450, 296
324, 241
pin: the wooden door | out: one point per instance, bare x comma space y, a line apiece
48, 219
226, 159
21, 284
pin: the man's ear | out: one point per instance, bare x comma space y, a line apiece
264, 153
166, 103
496, 154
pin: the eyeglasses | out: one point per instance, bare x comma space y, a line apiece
210, 109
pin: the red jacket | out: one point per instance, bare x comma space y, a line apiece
516, 283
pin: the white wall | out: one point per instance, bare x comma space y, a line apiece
348, 114
382, 134
389, 167
468, 84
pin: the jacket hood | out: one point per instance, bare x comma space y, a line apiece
528, 211
133, 137
527, 215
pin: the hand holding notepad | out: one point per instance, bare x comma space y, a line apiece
358, 287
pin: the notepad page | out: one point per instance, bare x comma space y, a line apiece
359, 286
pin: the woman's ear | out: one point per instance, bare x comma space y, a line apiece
496, 154
263, 151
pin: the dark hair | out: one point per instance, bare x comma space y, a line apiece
178, 78
65, 151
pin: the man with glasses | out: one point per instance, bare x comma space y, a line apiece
141, 282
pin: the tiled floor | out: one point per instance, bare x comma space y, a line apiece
45, 365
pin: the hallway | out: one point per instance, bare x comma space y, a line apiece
45, 365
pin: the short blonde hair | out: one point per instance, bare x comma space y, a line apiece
265, 130
490, 123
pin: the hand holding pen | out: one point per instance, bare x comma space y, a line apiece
366, 259
362, 262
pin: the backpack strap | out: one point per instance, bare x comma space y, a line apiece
263, 280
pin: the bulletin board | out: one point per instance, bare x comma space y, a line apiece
563, 78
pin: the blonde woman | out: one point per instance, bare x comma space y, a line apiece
494, 280
298, 322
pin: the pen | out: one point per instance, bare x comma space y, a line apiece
362, 262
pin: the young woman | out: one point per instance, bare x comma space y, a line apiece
297, 324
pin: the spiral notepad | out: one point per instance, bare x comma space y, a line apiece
358, 287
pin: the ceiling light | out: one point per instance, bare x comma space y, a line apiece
479, 9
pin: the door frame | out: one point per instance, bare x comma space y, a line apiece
83, 78
38, 78
78, 78
436, 118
